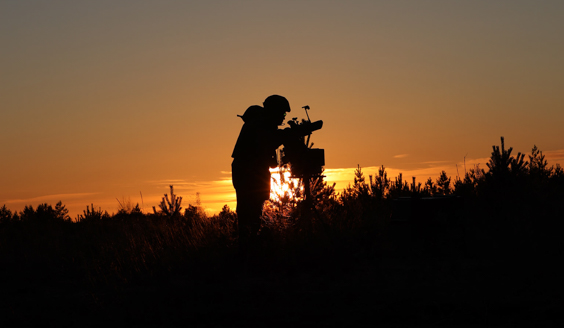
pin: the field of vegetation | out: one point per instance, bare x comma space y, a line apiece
480, 250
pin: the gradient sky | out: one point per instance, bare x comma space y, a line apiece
109, 99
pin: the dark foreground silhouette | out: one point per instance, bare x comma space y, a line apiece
376, 254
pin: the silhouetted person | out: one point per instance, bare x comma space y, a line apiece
254, 154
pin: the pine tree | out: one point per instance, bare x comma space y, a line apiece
5, 214
170, 207
380, 186
538, 165
443, 184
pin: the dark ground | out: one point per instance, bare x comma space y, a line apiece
385, 292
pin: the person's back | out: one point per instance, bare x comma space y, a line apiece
253, 154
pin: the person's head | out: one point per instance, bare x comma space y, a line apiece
277, 106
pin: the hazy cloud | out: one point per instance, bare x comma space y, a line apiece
345, 176
435, 162
554, 155
401, 156
48, 198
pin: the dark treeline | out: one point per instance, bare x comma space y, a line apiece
501, 220
513, 207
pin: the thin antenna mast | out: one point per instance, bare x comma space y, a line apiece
306, 108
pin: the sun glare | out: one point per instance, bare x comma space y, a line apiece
282, 185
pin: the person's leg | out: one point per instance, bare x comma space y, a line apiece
249, 211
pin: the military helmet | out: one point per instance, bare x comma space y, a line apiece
277, 103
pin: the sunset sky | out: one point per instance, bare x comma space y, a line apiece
110, 99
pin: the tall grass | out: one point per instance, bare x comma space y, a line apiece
512, 209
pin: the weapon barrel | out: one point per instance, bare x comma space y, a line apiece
317, 125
